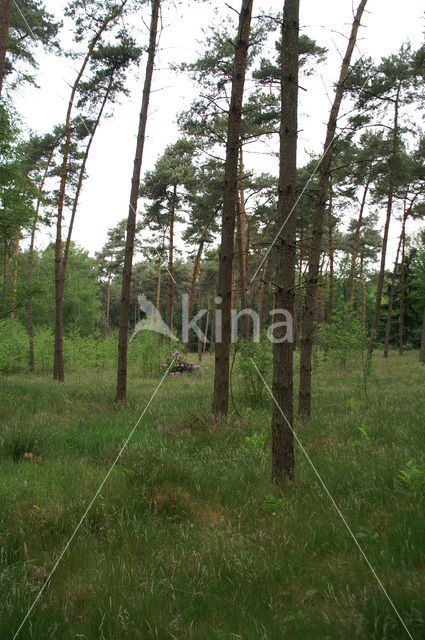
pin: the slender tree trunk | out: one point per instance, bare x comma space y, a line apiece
422, 351
212, 338
158, 286
207, 321
402, 294
356, 244
15, 272
331, 270
391, 300
171, 262
5, 7
108, 302
222, 351
200, 342
242, 244
58, 365
283, 351
391, 185
195, 272
131, 221
310, 303
31, 260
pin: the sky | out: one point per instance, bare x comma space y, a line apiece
386, 25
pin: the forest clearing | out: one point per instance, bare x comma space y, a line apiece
212, 320
187, 538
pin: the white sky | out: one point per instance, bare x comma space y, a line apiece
104, 201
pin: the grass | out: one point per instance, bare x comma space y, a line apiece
188, 540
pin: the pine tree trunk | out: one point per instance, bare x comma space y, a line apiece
31, 260
195, 272
356, 244
5, 7
207, 321
108, 302
331, 270
212, 338
391, 300
310, 302
242, 245
402, 295
391, 186
131, 221
283, 351
158, 287
15, 272
171, 263
58, 365
222, 351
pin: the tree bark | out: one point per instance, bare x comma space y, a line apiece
331, 269
131, 221
242, 245
386, 229
171, 262
222, 351
195, 272
5, 7
15, 272
58, 364
31, 259
391, 300
310, 302
402, 293
356, 244
284, 298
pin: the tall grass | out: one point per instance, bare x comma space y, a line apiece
188, 538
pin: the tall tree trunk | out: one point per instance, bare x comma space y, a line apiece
58, 365
195, 272
422, 351
207, 321
5, 6
331, 268
31, 258
171, 263
391, 185
391, 300
131, 221
222, 351
402, 294
158, 286
108, 302
212, 338
356, 243
15, 272
242, 245
310, 302
283, 350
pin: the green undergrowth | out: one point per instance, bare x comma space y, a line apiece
187, 538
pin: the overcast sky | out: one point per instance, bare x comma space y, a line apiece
386, 26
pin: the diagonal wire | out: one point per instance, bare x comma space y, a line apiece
319, 477
92, 502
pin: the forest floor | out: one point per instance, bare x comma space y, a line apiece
187, 539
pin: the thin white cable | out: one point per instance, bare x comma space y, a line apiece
334, 504
91, 503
